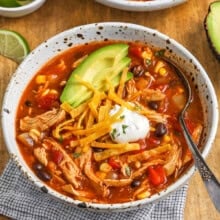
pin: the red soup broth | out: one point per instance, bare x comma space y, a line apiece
52, 149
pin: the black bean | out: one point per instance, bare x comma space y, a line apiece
44, 175
153, 105
37, 166
161, 130
137, 70
28, 103
135, 183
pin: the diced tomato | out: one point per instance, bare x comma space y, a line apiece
56, 156
188, 153
136, 51
190, 125
46, 101
113, 163
67, 141
174, 121
153, 141
162, 87
143, 146
142, 143
157, 175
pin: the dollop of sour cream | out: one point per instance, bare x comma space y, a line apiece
132, 127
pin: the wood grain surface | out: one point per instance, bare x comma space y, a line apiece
184, 23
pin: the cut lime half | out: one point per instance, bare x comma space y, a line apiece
13, 45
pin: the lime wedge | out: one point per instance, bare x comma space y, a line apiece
13, 45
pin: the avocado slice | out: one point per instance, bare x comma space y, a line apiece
212, 27
106, 62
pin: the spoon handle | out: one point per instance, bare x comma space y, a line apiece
211, 182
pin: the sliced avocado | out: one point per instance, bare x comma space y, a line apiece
118, 77
106, 62
212, 26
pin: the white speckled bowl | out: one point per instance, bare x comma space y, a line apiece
129, 5
101, 31
22, 10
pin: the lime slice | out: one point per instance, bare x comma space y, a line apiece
9, 3
14, 3
23, 2
13, 45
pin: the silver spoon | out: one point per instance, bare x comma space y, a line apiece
209, 179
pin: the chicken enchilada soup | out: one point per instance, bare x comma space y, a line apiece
99, 123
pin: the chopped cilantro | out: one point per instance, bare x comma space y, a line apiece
148, 62
76, 155
123, 128
113, 133
137, 107
122, 116
160, 53
61, 139
128, 171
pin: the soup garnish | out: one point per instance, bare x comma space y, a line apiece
122, 141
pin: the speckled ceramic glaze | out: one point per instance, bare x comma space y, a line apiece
132, 5
104, 31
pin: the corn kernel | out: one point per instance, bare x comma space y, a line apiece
41, 79
137, 164
53, 91
166, 138
45, 92
162, 71
73, 144
51, 166
78, 150
152, 129
101, 174
180, 90
146, 55
105, 167
143, 195
159, 65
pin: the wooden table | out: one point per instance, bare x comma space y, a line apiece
183, 23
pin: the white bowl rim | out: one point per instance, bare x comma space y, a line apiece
141, 6
133, 204
30, 5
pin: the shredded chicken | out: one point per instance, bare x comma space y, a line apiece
153, 95
130, 89
69, 188
100, 185
41, 155
118, 183
151, 114
70, 170
173, 160
25, 139
197, 133
43, 121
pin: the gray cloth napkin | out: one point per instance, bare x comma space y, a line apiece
20, 199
